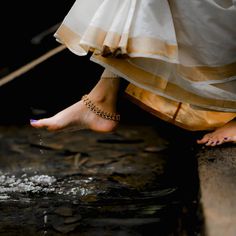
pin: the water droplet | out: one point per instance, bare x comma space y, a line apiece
41, 143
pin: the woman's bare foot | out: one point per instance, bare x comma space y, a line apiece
79, 116
224, 134
75, 117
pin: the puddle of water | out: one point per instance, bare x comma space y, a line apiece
55, 186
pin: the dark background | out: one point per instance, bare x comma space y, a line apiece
41, 87
54, 84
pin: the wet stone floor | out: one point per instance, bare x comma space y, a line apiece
127, 183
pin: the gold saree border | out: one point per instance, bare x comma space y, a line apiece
98, 38
207, 73
155, 112
72, 41
154, 83
177, 113
111, 43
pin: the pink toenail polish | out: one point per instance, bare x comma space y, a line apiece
32, 120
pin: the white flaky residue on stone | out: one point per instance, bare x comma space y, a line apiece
43, 179
4, 197
34, 184
43, 184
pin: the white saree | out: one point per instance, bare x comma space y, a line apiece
179, 56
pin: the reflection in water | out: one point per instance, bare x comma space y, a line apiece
87, 184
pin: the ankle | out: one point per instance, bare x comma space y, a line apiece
103, 109
107, 102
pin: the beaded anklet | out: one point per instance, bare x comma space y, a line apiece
92, 107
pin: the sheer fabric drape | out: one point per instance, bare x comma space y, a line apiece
181, 53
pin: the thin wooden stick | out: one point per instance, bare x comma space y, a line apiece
22, 70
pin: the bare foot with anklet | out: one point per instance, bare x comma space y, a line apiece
95, 111
78, 117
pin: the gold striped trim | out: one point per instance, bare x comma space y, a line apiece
149, 81
100, 39
152, 46
180, 114
143, 45
207, 73
157, 113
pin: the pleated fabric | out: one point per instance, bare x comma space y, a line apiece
178, 53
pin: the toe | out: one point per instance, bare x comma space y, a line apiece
40, 123
205, 139
35, 123
209, 142
233, 139
229, 139
224, 140
220, 141
214, 142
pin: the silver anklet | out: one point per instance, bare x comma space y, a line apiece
92, 107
